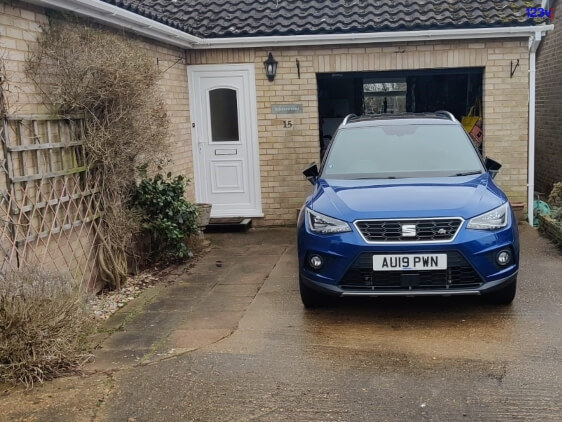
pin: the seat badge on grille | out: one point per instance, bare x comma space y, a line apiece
442, 231
409, 230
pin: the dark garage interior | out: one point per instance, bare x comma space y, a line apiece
340, 94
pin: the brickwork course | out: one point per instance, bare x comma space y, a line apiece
19, 28
548, 159
284, 152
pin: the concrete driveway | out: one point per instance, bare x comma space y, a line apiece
446, 359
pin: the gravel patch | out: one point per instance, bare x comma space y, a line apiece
107, 302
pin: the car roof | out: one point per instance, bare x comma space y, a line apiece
398, 119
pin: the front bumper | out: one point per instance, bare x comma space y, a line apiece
474, 249
331, 290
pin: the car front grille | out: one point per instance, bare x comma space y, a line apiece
426, 230
458, 275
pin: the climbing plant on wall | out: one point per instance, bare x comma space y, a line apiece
81, 68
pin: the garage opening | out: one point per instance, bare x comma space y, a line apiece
456, 90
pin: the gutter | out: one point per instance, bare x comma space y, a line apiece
373, 37
534, 42
117, 17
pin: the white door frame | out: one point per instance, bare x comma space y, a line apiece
253, 142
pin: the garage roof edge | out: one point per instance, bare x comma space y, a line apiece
374, 37
118, 17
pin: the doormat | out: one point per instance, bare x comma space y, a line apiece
223, 225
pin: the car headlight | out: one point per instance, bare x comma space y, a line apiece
320, 223
492, 220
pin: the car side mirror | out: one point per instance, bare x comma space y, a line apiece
492, 166
311, 173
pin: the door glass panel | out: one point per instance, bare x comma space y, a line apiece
384, 95
224, 115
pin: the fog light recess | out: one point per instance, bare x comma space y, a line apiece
315, 261
503, 257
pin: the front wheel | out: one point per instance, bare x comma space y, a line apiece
311, 298
503, 296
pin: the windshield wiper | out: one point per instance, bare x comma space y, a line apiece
468, 173
377, 178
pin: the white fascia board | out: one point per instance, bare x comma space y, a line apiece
376, 37
117, 17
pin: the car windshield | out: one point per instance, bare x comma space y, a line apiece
415, 150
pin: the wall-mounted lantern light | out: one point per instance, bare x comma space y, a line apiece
270, 67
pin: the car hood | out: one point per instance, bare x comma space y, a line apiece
465, 196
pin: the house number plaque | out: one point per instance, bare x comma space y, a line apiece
286, 109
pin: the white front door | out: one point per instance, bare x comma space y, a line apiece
225, 139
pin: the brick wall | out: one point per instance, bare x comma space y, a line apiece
19, 28
284, 153
549, 108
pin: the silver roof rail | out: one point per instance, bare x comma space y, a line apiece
348, 118
448, 114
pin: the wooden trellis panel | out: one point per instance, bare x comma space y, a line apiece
49, 200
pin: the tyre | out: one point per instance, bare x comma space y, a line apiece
312, 298
504, 296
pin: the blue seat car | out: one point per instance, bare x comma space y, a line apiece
404, 205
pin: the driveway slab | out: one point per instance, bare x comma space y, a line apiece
199, 307
399, 359
441, 359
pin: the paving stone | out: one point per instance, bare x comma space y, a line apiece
157, 322
207, 318
196, 338
205, 303
133, 340
236, 289
115, 359
227, 303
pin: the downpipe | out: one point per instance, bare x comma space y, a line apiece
534, 43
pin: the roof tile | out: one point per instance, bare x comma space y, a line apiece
249, 18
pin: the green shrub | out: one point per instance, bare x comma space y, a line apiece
44, 322
555, 197
557, 214
555, 201
167, 217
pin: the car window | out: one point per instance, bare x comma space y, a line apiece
401, 151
